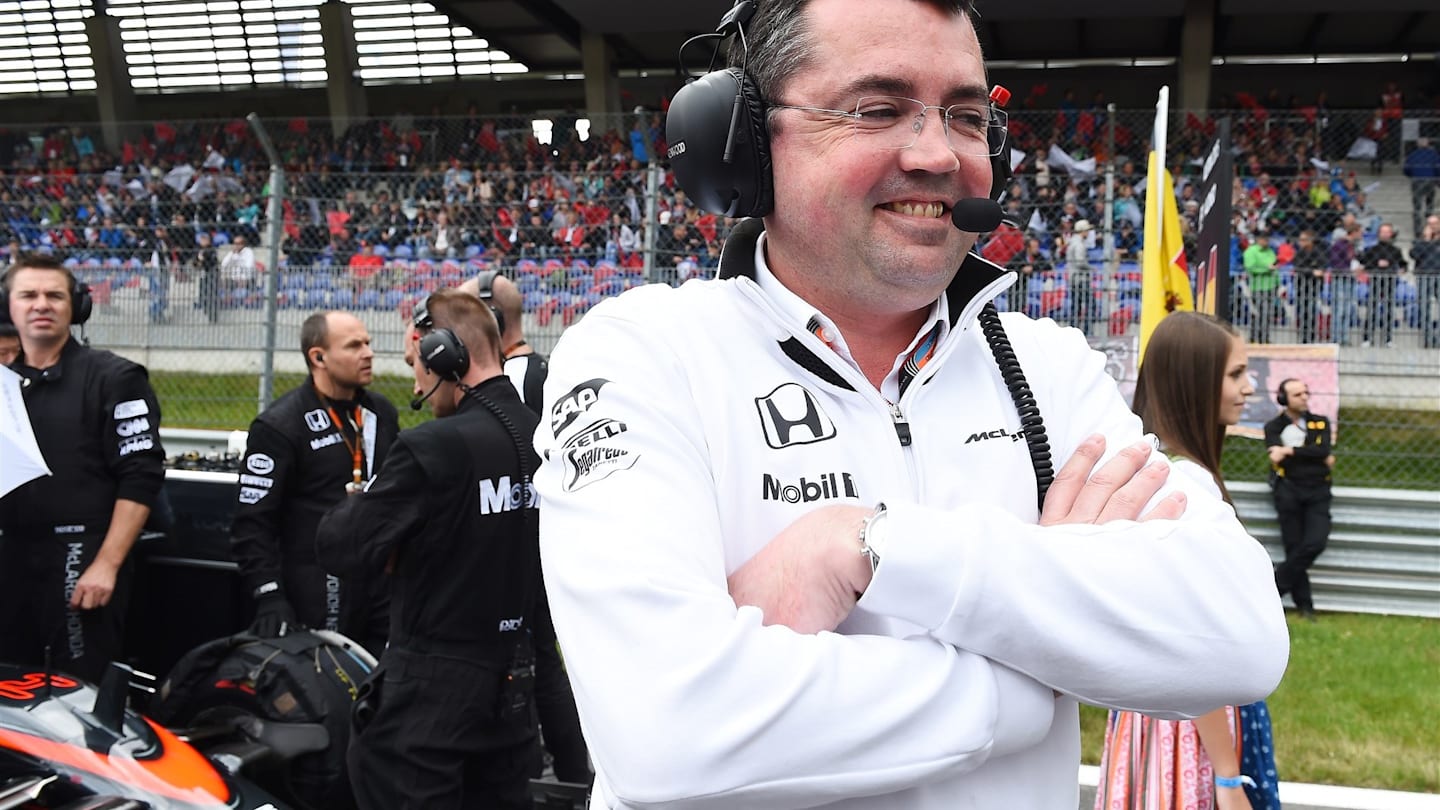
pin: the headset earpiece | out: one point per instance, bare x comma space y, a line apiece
81, 304
443, 354
486, 282
718, 116
1281, 397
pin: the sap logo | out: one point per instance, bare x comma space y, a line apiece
136, 444
256, 481
131, 409
511, 625
317, 420
591, 456
502, 496
325, 441
676, 150
827, 487
133, 426
252, 495
996, 434
575, 403
260, 464
791, 415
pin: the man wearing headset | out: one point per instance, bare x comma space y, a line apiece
452, 517
1298, 442
717, 457
525, 367
304, 453
65, 538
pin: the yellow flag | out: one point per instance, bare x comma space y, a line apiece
1165, 284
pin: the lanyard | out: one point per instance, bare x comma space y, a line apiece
355, 448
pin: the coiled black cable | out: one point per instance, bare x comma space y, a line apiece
1030, 420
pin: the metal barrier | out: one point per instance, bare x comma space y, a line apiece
1384, 551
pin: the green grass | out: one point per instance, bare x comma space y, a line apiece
1358, 704
228, 401
1378, 447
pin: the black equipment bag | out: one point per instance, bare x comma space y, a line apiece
304, 677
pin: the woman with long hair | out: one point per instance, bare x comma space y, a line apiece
1193, 383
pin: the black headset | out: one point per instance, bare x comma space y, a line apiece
719, 139
1281, 398
441, 351
81, 304
486, 280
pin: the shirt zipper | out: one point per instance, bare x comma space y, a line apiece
902, 427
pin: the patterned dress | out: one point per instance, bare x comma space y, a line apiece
1150, 764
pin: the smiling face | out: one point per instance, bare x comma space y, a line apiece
858, 222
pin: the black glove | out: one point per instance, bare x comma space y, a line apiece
273, 615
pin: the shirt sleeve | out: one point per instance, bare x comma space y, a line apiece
136, 456
554, 700
264, 484
1167, 617
1317, 440
361, 533
635, 568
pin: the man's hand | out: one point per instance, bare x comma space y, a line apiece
810, 575
1278, 454
274, 617
1116, 491
95, 587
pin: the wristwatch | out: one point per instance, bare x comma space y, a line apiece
874, 533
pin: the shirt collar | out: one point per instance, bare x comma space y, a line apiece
802, 315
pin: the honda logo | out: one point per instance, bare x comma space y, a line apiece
791, 415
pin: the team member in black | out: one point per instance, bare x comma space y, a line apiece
304, 453
525, 367
65, 538
452, 517
1299, 445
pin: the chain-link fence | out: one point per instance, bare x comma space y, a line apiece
170, 230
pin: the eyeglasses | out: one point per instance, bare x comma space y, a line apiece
894, 122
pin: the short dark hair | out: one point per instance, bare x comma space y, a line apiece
779, 44
37, 261
7, 328
314, 334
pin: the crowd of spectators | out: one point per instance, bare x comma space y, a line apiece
392, 207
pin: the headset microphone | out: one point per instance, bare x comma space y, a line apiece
976, 215
415, 403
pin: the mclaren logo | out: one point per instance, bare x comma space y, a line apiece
1001, 433
791, 415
